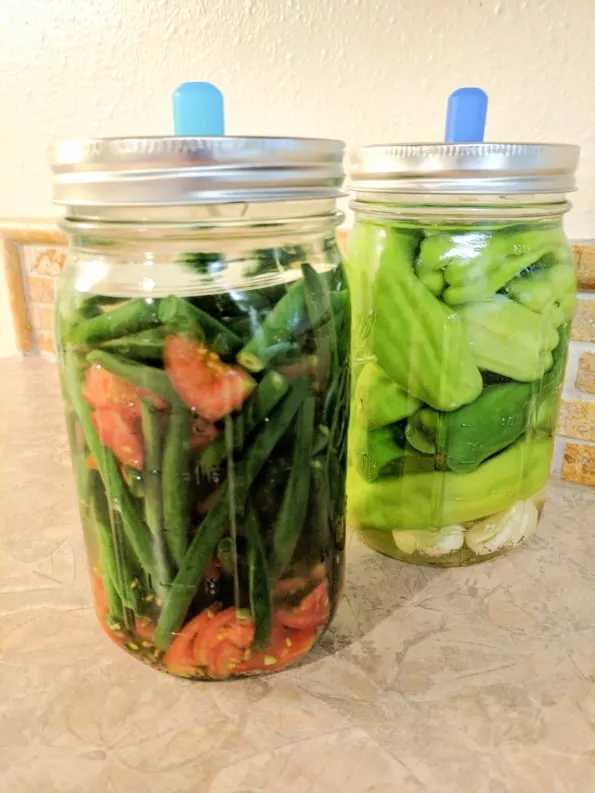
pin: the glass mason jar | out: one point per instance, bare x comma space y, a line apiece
203, 339
463, 287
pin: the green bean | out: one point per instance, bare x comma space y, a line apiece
259, 586
184, 317
105, 541
121, 500
266, 396
320, 315
287, 321
134, 481
225, 555
320, 537
292, 513
321, 439
280, 325
153, 503
130, 317
176, 483
114, 602
83, 476
115, 557
336, 475
204, 543
73, 310
149, 378
144, 346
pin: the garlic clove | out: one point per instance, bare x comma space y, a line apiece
430, 542
503, 530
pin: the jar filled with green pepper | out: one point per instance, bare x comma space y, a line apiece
463, 288
203, 340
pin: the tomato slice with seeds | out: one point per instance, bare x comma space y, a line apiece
215, 641
179, 659
311, 613
209, 386
222, 644
119, 430
285, 647
102, 389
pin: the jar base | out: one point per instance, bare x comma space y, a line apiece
382, 542
297, 644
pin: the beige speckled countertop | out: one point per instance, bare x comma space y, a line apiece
476, 680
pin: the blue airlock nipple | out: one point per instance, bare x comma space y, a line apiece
198, 110
466, 116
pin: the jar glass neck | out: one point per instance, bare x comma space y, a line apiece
460, 209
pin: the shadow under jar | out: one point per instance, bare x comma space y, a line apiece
203, 337
463, 286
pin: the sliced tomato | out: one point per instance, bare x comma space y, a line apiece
285, 647
179, 659
102, 389
203, 433
214, 641
205, 383
311, 613
119, 430
289, 587
223, 643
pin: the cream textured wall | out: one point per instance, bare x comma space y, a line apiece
361, 70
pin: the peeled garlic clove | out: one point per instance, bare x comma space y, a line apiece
503, 530
430, 542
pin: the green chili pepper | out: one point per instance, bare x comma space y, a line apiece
437, 499
476, 263
501, 414
539, 289
383, 451
509, 339
418, 436
418, 341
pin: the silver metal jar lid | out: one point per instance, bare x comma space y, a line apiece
463, 168
162, 171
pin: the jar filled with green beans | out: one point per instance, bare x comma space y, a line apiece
203, 330
463, 288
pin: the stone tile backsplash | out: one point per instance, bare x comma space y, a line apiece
34, 255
